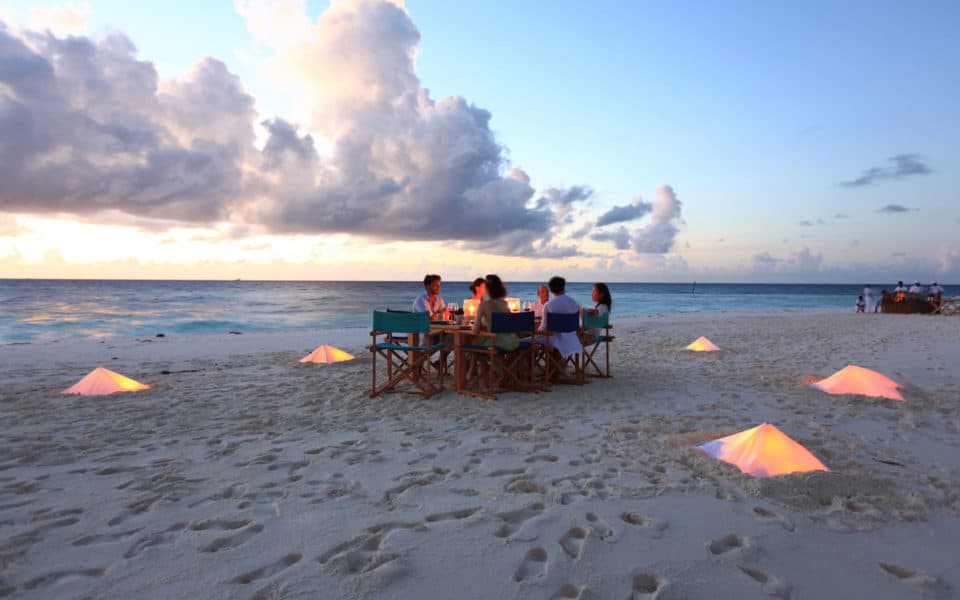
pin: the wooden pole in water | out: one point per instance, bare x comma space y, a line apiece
693, 289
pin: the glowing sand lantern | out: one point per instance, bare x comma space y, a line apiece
513, 304
763, 451
326, 354
702, 344
857, 380
470, 307
100, 382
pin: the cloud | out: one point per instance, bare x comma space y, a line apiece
809, 223
87, 127
893, 209
620, 238
658, 236
562, 200
620, 214
67, 19
801, 261
904, 165
840, 216
578, 233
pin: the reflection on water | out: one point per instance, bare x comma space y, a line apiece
51, 309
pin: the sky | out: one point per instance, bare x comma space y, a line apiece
794, 142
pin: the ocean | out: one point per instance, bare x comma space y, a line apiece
34, 309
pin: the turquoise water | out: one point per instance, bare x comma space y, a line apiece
52, 309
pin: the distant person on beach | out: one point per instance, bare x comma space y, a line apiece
860, 304
603, 302
566, 343
916, 289
899, 292
543, 295
479, 289
935, 290
430, 301
868, 299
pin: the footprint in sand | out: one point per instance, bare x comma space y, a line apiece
568, 591
104, 538
453, 515
772, 516
513, 520
359, 555
534, 565
771, 586
59, 576
573, 541
727, 544
219, 524
646, 586
233, 540
268, 571
656, 528
159, 538
600, 527
929, 586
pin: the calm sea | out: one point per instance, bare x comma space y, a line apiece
32, 309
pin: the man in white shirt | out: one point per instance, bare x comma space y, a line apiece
935, 290
543, 294
916, 288
430, 301
568, 342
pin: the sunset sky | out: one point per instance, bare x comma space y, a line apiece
364, 139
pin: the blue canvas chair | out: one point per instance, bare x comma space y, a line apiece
407, 361
554, 366
508, 369
592, 344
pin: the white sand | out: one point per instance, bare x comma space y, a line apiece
243, 473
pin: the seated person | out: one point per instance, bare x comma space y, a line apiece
495, 304
543, 294
916, 289
478, 289
935, 290
603, 303
899, 292
568, 342
860, 304
430, 301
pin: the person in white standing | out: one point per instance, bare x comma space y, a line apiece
868, 299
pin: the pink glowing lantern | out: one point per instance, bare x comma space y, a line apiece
327, 354
101, 381
763, 451
702, 344
857, 380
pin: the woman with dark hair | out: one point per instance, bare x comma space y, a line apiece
478, 288
496, 303
603, 304
601, 296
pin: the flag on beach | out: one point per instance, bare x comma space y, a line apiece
763, 451
702, 344
326, 354
101, 381
857, 380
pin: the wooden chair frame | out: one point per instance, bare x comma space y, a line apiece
406, 361
507, 369
551, 363
590, 348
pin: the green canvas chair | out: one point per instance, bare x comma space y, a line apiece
404, 342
